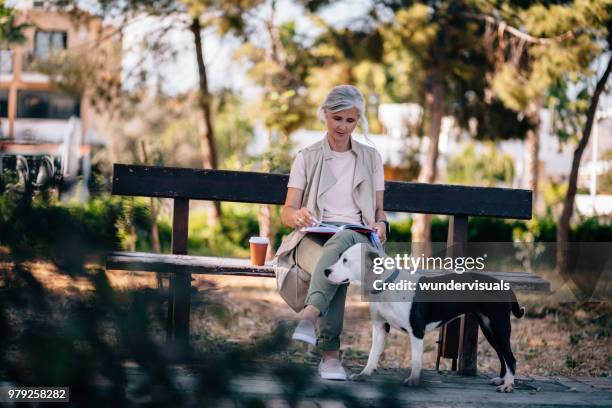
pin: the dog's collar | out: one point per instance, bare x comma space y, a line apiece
390, 279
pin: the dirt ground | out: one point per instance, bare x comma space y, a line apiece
562, 339
552, 339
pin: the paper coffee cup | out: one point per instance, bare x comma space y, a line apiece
259, 248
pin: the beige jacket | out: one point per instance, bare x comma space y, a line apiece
292, 281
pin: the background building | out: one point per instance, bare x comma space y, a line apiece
37, 119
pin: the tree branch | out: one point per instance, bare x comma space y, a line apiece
505, 27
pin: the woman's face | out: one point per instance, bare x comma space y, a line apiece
340, 125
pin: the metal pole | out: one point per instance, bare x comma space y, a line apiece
594, 162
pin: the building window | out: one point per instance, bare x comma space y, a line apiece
46, 105
6, 61
46, 42
3, 104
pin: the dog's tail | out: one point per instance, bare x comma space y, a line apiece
517, 310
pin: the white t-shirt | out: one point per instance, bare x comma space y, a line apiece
338, 202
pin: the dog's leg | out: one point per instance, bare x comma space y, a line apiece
485, 326
416, 351
378, 344
501, 331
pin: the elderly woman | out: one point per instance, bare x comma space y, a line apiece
336, 180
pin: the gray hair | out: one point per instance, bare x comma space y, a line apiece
344, 97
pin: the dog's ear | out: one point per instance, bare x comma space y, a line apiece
370, 255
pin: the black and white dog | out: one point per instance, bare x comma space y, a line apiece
417, 317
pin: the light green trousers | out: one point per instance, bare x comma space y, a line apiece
315, 252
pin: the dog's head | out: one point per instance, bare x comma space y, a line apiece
348, 268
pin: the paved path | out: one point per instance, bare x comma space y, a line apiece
452, 390
436, 390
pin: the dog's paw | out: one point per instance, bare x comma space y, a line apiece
412, 381
362, 376
505, 388
496, 381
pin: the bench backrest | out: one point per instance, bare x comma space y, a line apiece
269, 188
184, 184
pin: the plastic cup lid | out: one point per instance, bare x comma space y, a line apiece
259, 240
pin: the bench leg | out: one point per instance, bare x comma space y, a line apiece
179, 295
448, 343
458, 340
179, 302
468, 345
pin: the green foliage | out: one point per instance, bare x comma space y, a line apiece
592, 229
166, 128
487, 229
146, 122
491, 168
554, 195
10, 31
410, 164
104, 224
225, 16
569, 108
280, 69
350, 55
44, 229
77, 71
537, 229
233, 130
229, 238
569, 38
74, 339
401, 231
276, 159
544, 229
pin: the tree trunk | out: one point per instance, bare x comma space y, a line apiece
207, 137
568, 203
532, 172
421, 228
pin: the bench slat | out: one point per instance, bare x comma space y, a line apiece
269, 188
210, 265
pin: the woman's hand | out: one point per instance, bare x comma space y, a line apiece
381, 229
303, 218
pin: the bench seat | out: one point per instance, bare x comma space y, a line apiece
211, 265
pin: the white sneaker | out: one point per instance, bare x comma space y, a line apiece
332, 370
305, 331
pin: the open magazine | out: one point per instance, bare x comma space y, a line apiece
323, 228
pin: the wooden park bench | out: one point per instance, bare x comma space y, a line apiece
458, 339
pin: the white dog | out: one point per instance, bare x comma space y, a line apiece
417, 317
